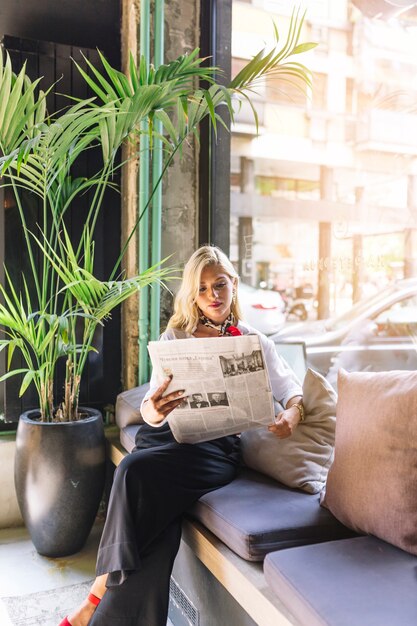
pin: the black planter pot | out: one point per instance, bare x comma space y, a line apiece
59, 478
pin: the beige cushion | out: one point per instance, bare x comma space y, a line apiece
128, 406
372, 484
303, 459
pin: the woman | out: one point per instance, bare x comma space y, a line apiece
161, 479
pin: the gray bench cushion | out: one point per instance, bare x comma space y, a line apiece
127, 436
128, 406
255, 515
361, 582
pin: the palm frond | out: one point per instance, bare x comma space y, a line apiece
179, 75
20, 111
95, 297
37, 163
267, 63
38, 154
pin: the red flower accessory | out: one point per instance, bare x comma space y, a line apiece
232, 330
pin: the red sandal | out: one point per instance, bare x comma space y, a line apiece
91, 598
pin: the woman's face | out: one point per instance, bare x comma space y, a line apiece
215, 293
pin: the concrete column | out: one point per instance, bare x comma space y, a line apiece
247, 175
408, 253
325, 247
323, 294
180, 188
410, 259
357, 253
245, 236
357, 272
245, 228
9, 509
2, 261
130, 309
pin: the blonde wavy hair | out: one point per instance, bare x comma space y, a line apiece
186, 311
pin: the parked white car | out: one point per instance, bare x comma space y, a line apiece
262, 308
378, 333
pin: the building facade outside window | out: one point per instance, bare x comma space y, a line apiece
324, 198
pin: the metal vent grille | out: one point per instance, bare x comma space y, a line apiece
183, 604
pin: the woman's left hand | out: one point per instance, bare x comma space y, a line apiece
285, 423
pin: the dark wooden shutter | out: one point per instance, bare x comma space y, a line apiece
102, 380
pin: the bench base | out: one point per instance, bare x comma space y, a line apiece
223, 587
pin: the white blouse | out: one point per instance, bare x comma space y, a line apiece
284, 383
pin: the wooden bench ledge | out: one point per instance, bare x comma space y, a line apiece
244, 580
115, 449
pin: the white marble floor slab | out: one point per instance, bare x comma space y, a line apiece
36, 590
23, 571
39, 591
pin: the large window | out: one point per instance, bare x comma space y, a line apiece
324, 198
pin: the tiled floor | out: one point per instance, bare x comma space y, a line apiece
28, 580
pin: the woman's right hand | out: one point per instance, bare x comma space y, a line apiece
158, 406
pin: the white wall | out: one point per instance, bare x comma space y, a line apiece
9, 509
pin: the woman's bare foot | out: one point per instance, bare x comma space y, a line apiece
82, 615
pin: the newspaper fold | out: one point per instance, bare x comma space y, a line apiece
227, 388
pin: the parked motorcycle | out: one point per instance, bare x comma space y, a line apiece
299, 303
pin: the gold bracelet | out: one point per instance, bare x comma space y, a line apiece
300, 407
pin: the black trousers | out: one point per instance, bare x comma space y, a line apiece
152, 488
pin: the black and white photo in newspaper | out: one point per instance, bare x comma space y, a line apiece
227, 388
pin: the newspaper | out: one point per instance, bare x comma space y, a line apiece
227, 388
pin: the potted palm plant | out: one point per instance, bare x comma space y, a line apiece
53, 314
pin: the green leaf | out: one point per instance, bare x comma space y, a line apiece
14, 97
133, 72
210, 106
304, 47
27, 379
12, 373
6, 83
104, 95
10, 352
143, 71
169, 127
119, 81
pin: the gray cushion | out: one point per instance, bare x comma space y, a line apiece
127, 436
255, 515
372, 484
361, 582
128, 406
302, 460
